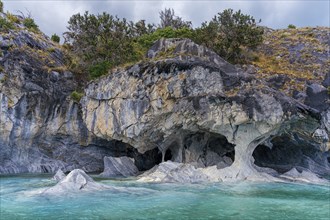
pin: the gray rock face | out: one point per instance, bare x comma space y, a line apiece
119, 166
191, 107
195, 110
41, 128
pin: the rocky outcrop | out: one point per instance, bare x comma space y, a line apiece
183, 104
41, 128
119, 167
192, 104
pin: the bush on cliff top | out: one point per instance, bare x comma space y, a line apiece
100, 42
55, 38
30, 24
228, 33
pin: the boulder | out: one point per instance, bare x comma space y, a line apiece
76, 181
119, 166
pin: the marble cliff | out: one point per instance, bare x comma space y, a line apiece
184, 104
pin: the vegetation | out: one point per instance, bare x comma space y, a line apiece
100, 42
1, 6
30, 24
6, 25
301, 54
55, 38
13, 18
76, 96
291, 26
229, 33
169, 19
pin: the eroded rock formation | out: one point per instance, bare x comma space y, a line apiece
195, 108
41, 128
184, 104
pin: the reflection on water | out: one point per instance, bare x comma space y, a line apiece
166, 201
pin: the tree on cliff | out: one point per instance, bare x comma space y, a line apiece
169, 19
1, 6
229, 32
100, 42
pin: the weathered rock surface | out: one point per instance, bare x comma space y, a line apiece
195, 107
304, 176
41, 128
119, 166
185, 104
174, 172
59, 175
76, 181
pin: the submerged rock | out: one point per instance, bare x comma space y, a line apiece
59, 175
119, 166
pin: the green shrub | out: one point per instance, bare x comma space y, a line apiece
1, 6
5, 25
76, 96
229, 33
55, 38
30, 24
99, 69
147, 40
291, 26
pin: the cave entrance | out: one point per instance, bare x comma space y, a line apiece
168, 155
201, 149
292, 151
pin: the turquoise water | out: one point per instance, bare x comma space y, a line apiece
166, 201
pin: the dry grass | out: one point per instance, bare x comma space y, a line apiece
302, 54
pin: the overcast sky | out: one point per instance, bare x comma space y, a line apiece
52, 15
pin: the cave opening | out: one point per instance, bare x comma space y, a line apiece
201, 149
168, 155
292, 151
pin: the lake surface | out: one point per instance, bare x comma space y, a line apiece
166, 201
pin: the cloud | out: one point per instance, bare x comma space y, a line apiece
52, 16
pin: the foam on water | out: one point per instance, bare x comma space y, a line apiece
165, 201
